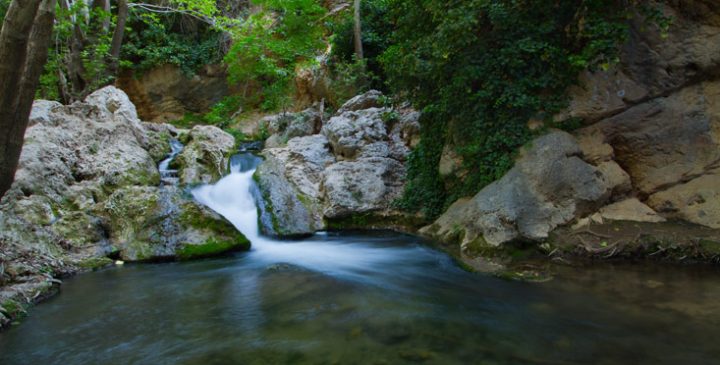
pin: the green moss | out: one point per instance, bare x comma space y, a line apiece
710, 247
94, 263
225, 237
213, 247
373, 221
12, 309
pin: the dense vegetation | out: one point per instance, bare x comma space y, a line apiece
479, 70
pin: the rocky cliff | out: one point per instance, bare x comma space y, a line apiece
647, 152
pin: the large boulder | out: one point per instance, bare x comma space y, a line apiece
550, 185
354, 167
285, 126
350, 131
289, 181
667, 140
206, 156
368, 100
365, 185
151, 223
101, 140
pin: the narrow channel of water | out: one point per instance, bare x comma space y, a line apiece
365, 298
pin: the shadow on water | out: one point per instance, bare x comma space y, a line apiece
365, 298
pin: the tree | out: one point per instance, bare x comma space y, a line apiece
358, 31
24, 43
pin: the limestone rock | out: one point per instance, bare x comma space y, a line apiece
205, 158
289, 180
667, 140
364, 185
101, 139
696, 201
630, 210
350, 131
283, 127
166, 93
549, 186
355, 166
150, 223
368, 100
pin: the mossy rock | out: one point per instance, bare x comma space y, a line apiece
94, 263
221, 235
373, 220
213, 247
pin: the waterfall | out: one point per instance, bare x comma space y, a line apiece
232, 198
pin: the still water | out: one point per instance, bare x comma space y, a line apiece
419, 308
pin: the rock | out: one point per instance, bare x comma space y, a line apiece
205, 158
302, 185
549, 186
594, 148
166, 93
696, 201
616, 177
286, 126
289, 182
667, 140
406, 130
151, 223
159, 137
350, 131
450, 162
630, 210
652, 65
101, 139
371, 99
364, 185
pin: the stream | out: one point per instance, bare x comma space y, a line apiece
365, 298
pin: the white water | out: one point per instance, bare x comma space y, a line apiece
232, 197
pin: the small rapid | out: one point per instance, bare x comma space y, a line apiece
233, 198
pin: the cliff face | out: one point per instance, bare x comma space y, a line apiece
648, 150
165, 93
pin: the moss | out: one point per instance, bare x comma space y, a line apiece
213, 247
12, 309
225, 237
710, 247
94, 263
371, 220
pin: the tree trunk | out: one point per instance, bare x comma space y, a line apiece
118, 36
358, 32
14, 39
74, 60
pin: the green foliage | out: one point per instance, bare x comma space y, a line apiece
269, 46
220, 114
377, 30
157, 40
480, 70
350, 79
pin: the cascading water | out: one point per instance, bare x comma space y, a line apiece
169, 176
232, 197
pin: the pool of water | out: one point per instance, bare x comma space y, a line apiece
413, 306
